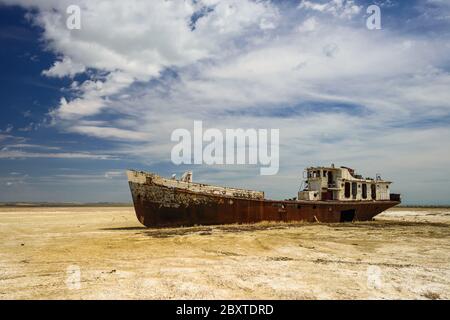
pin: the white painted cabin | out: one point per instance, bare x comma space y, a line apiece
342, 184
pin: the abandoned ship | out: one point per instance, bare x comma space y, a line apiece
329, 194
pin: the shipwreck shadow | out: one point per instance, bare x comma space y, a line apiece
385, 224
217, 229
173, 232
124, 229
205, 230
208, 230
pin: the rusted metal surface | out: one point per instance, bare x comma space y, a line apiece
156, 180
159, 204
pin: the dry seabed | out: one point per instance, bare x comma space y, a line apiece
104, 253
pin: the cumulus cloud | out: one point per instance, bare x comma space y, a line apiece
64, 68
137, 40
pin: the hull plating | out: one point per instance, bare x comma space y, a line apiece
161, 206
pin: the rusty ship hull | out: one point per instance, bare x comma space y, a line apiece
158, 204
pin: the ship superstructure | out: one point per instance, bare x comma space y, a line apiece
342, 184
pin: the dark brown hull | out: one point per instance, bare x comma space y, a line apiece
160, 206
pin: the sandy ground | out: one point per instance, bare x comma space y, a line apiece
104, 253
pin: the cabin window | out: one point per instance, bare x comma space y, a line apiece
324, 173
347, 189
373, 191
364, 191
354, 190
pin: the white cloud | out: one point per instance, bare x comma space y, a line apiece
136, 40
114, 174
9, 128
32, 146
66, 67
26, 151
313, 5
62, 155
110, 133
308, 25
338, 8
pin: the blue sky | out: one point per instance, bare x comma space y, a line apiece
80, 106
